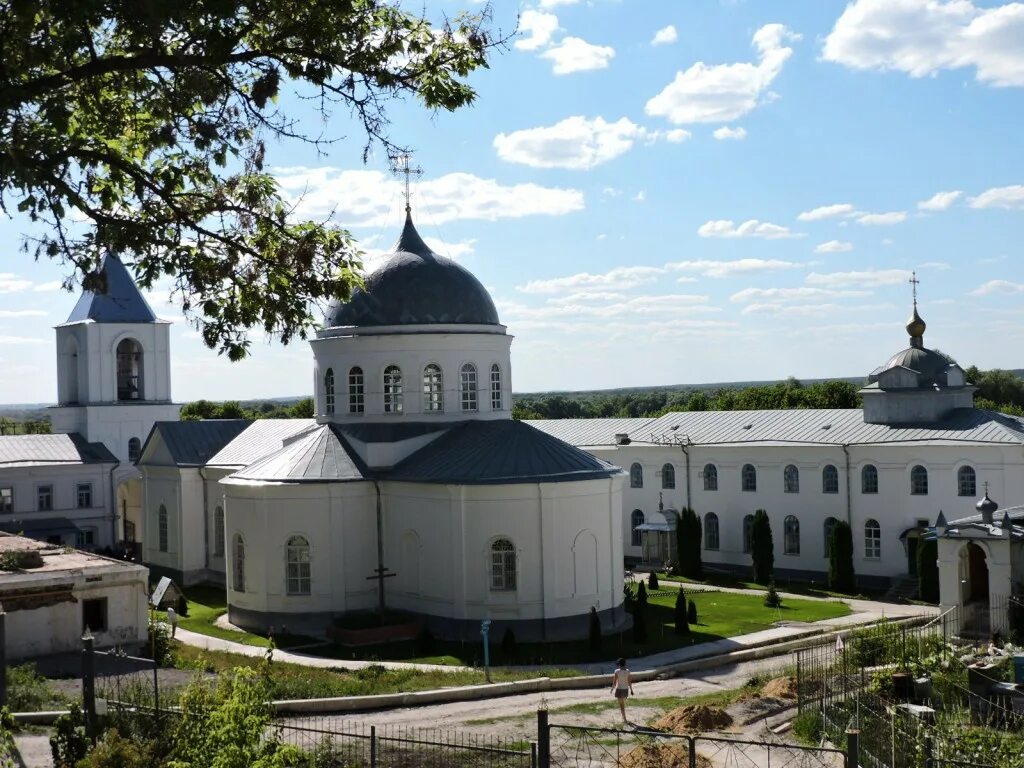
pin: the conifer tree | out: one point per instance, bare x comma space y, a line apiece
762, 549
682, 625
688, 544
841, 577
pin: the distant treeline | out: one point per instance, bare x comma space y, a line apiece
29, 427
232, 409
998, 390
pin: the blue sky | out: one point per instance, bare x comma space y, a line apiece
660, 192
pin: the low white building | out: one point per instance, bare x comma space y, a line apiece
52, 594
917, 448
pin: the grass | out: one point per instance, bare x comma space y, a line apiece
734, 581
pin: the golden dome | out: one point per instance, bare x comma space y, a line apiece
915, 325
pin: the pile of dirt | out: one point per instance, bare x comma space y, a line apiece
780, 688
693, 719
661, 756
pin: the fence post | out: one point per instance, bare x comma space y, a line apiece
799, 687
156, 689
373, 746
533, 754
543, 740
89, 684
928, 751
3, 657
852, 748
691, 751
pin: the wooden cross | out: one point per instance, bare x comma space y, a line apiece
401, 165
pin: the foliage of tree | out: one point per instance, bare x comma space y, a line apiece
115, 751
640, 615
200, 410
680, 615
594, 630
771, 597
762, 548
928, 570
691, 612
688, 544
28, 427
652, 581
841, 577
141, 128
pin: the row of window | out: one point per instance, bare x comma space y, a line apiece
44, 497
790, 534
163, 530
298, 577
432, 389
966, 479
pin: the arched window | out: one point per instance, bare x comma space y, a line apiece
392, 389
297, 564
919, 481
710, 477
636, 519
496, 398
791, 535
748, 533
869, 479
356, 390
749, 477
433, 389
830, 479
161, 528
872, 540
134, 449
791, 479
218, 531
69, 366
129, 370
636, 476
966, 481
329, 391
238, 561
710, 531
830, 524
467, 378
503, 566
668, 476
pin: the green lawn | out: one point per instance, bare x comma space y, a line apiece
734, 581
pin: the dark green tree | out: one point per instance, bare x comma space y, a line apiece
302, 409
682, 625
928, 570
652, 581
771, 597
691, 612
688, 544
595, 631
141, 128
762, 548
841, 577
640, 615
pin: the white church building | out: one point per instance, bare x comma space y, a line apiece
917, 447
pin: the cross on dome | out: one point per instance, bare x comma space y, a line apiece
401, 165
915, 325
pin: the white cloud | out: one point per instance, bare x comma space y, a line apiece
17, 340
922, 37
665, 36
22, 313
827, 212
370, 198
555, 3
834, 246
574, 54
792, 310
621, 278
53, 285
993, 287
640, 196
725, 132
711, 268
940, 201
868, 278
539, 28
451, 250
720, 93
11, 283
998, 197
576, 143
882, 219
801, 293
750, 228
677, 135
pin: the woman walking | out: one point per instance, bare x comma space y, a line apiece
622, 686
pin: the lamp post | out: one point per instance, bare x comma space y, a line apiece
89, 683
485, 629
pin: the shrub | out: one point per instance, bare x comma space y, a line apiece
841, 577
771, 597
928, 570
595, 630
640, 615
508, 645
7, 746
809, 727
628, 598
762, 549
69, 744
159, 645
691, 612
682, 625
652, 581
115, 751
688, 544
27, 691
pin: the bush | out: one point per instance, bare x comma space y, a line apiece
682, 625
691, 612
508, 645
771, 597
595, 631
628, 598
69, 744
652, 581
841, 577
115, 751
27, 691
640, 615
159, 646
928, 570
688, 544
7, 746
809, 727
762, 549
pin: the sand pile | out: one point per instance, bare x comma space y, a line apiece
780, 688
661, 756
693, 719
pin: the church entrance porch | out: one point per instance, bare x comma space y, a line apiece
976, 620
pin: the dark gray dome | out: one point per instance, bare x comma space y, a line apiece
930, 364
416, 287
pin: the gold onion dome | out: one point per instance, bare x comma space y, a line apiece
915, 325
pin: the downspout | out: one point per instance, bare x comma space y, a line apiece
113, 505
206, 523
683, 446
849, 512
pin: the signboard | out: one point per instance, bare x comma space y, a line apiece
160, 591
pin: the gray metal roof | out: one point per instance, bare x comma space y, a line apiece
320, 456
27, 450
806, 426
416, 286
260, 438
194, 443
499, 452
591, 431
931, 365
121, 302
370, 432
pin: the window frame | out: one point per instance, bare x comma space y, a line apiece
710, 476
87, 487
393, 389
748, 534
49, 490
636, 537
830, 479
668, 476
504, 564
791, 479
497, 394
827, 528
433, 389
163, 529
712, 534
636, 475
218, 531
238, 562
103, 606
869, 471
329, 400
7, 500
298, 569
966, 485
918, 473
791, 535
748, 481
872, 540
134, 449
356, 390
469, 386
85, 537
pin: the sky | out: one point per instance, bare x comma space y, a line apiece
670, 192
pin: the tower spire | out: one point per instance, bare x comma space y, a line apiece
401, 165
